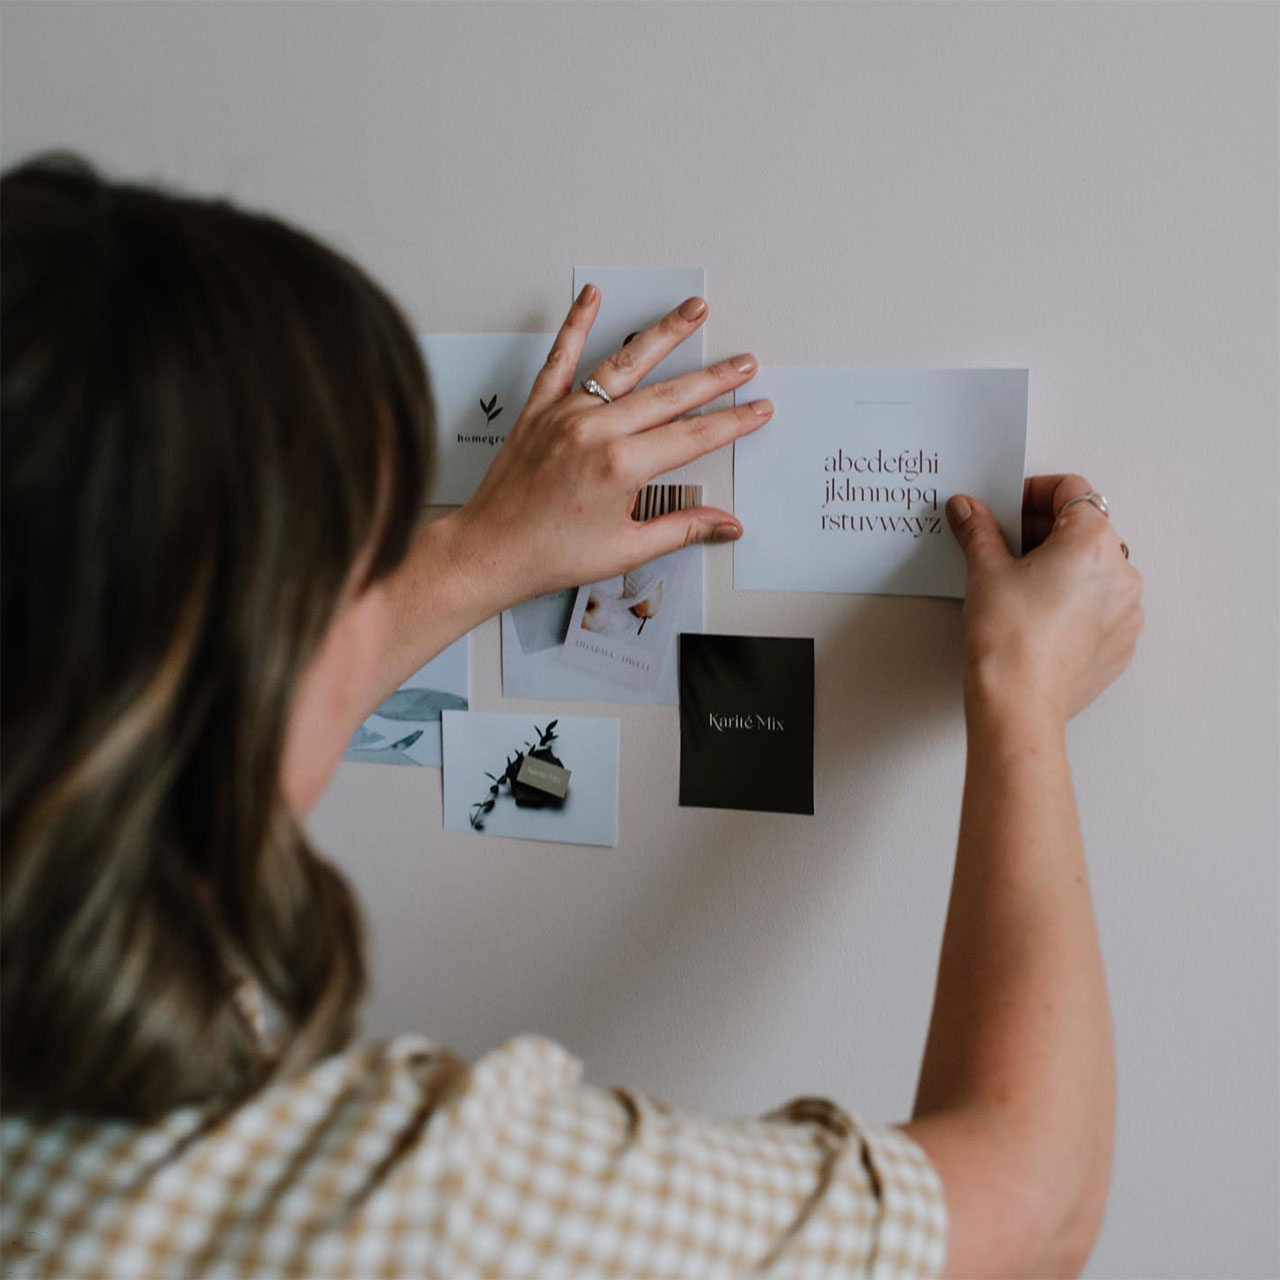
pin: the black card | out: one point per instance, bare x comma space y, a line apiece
746, 723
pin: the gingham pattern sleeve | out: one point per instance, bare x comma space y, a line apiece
555, 1178
400, 1160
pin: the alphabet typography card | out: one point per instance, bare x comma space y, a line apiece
746, 723
545, 777
479, 383
845, 488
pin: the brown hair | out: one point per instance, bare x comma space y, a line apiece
208, 418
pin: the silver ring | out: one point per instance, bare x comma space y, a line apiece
592, 387
1093, 497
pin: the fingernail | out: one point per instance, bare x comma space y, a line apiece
588, 292
744, 363
692, 308
763, 407
958, 510
726, 533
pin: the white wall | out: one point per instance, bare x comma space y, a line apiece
1090, 191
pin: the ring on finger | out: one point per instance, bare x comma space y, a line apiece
1093, 497
593, 388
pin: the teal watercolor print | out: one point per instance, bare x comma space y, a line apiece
405, 729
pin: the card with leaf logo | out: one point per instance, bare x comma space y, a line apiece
479, 385
531, 777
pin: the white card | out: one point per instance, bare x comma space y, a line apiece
534, 661
632, 299
844, 489
480, 750
406, 727
622, 628
479, 382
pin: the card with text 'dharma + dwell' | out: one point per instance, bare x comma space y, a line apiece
845, 488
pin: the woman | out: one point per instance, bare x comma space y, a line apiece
215, 439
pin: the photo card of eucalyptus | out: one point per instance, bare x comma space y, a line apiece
547, 777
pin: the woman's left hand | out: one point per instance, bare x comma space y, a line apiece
554, 509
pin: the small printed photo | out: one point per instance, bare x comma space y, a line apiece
551, 778
405, 729
621, 607
624, 627
610, 641
543, 622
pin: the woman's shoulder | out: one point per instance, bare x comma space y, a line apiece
407, 1070
369, 1124
401, 1157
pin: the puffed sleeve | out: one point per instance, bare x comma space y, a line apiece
551, 1177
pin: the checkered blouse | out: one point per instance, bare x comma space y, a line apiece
399, 1159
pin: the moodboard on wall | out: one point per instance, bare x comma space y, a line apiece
843, 492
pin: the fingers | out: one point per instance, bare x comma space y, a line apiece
1081, 522
1082, 526
653, 538
1036, 527
1038, 518
1045, 512
1044, 495
666, 447
555, 379
977, 532
652, 405
635, 359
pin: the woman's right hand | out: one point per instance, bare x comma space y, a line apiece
554, 508
1051, 629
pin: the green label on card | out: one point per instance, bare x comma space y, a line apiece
541, 775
